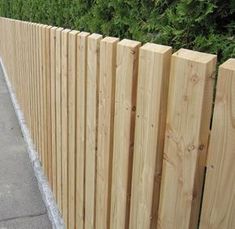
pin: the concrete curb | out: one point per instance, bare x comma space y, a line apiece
47, 195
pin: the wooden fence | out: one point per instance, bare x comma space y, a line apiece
122, 130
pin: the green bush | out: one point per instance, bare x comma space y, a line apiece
204, 25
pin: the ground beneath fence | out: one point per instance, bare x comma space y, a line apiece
21, 204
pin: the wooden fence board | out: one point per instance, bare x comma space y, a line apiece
72, 41
48, 103
218, 208
64, 122
81, 126
187, 131
53, 107
58, 118
93, 50
154, 62
105, 130
124, 121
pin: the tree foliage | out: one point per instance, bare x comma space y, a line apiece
204, 25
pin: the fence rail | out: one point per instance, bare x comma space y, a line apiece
123, 129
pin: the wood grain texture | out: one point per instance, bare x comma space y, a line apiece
124, 122
105, 130
58, 118
186, 139
64, 122
48, 102
152, 91
81, 126
93, 50
72, 64
218, 207
53, 107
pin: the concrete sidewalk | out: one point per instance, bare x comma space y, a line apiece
21, 205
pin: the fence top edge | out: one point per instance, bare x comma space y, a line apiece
129, 43
156, 48
74, 32
229, 64
110, 40
95, 36
195, 56
83, 34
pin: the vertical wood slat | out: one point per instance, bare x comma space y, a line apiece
37, 87
81, 126
53, 108
72, 47
125, 102
154, 62
105, 130
187, 131
48, 103
93, 49
64, 122
58, 118
42, 147
218, 206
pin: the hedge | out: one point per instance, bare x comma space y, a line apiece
203, 25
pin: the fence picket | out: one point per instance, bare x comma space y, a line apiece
105, 130
187, 131
93, 49
81, 74
152, 91
218, 204
124, 121
72, 40
58, 118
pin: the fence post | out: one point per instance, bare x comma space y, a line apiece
124, 123
58, 118
81, 74
152, 91
72, 65
186, 139
53, 107
93, 50
108, 48
218, 206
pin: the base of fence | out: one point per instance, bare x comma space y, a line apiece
47, 195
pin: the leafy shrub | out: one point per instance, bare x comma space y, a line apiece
204, 25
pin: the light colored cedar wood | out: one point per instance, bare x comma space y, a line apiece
32, 65
43, 99
108, 47
91, 127
218, 206
72, 41
152, 91
124, 122
45, 133
64, 121
186, 139
58, 118
81, 73
48, 103
35, 82
40, 93
28, 66
45, 130
36, 87
53, 105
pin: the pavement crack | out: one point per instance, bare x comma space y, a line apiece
22, 217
